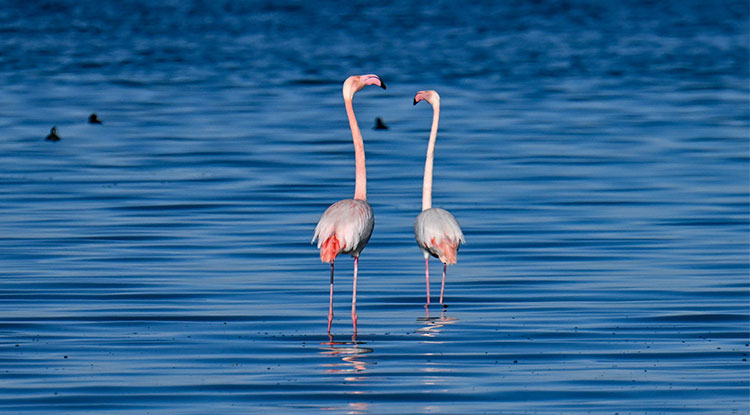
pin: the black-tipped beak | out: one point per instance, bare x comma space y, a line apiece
382, 84
415, 101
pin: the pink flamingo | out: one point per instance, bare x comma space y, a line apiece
436, 230
346, 225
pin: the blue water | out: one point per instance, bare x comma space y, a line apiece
596, 155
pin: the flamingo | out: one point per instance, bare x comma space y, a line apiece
436, 230
346, 225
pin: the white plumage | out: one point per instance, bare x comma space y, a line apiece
434, 225
352, 220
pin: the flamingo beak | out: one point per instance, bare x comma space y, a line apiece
418, 97
374, 80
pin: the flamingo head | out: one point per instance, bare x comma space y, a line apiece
355, 83
430, 96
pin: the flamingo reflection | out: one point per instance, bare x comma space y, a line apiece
350, 366
433, 325
350, 353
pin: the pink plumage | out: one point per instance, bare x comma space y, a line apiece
329, 249
346, 225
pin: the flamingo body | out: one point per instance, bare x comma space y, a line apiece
344, 228
438, 234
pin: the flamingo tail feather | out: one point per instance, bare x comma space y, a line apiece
330, 249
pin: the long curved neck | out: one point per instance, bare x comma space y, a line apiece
360, 188
427, 185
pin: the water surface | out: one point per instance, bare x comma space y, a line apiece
595, 154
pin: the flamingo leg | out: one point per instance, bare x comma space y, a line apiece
442, 286
330, 303
354, 296
427, 277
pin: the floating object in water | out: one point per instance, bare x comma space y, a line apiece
94, 119
379, 124
53, 135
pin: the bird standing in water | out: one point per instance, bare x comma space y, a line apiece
436, 230
346, 225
